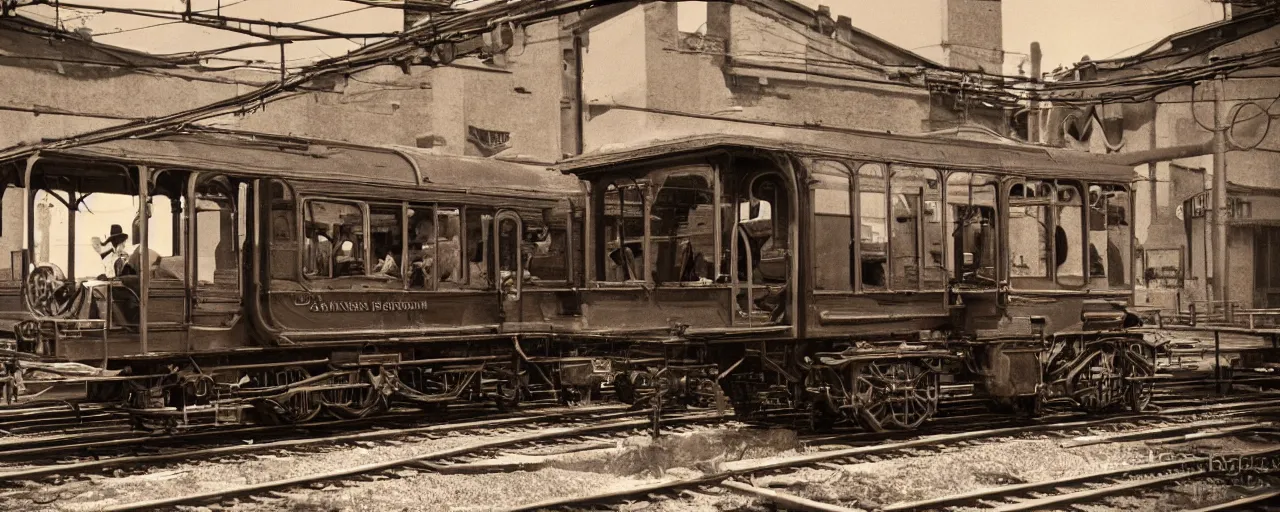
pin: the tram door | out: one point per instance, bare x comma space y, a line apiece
217, 235
973, 219
763, 250
508, 258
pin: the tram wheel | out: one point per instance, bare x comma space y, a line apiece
895, 395
1139, 357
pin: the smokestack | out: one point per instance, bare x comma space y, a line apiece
1036, 57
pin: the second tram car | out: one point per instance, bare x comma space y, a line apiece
846, 275
852, 274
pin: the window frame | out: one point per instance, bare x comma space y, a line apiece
192, 240
920, 229
1052, 279
851, 255
304, 204
704, 170
949, 234
597, 276
1132, 275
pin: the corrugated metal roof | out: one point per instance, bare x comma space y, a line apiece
937, 152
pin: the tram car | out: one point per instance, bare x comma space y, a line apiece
851, 275
283, 277
847, 276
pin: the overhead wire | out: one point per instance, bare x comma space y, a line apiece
417, 42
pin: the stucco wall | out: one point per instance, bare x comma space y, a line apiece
706, 83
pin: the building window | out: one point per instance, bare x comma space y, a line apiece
832, 226
873, 223
488, 142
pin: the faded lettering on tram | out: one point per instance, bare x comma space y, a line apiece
317, 304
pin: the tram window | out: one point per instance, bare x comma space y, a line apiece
284, 245
622, 209
833, 226
916, 239
216, 216
1030, 229
335, 238
479, 249
971, 201
1109, 236
1069, 229
873, 223
545, 247
11, 233
681, 224
387, 240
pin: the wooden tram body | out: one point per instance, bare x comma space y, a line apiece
847, 275
850, 274
266, 284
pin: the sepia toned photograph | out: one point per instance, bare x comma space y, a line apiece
639, 255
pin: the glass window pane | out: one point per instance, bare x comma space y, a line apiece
832, 226
873, 223
917, 229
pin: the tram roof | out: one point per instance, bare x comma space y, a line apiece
312, 159
945, 152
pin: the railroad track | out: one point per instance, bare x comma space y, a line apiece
1228, 424
528, 434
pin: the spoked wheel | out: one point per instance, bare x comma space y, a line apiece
895, 395
1140, 362
293, 407
1099, 384
356, 402
42, 291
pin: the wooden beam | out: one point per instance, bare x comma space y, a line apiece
789, 501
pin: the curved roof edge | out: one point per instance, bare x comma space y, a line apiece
932, 151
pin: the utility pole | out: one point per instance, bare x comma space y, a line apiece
1220, 213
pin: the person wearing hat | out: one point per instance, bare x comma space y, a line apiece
113, 252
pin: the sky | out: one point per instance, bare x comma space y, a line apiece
1066, 29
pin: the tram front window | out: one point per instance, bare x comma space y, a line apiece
681, 228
